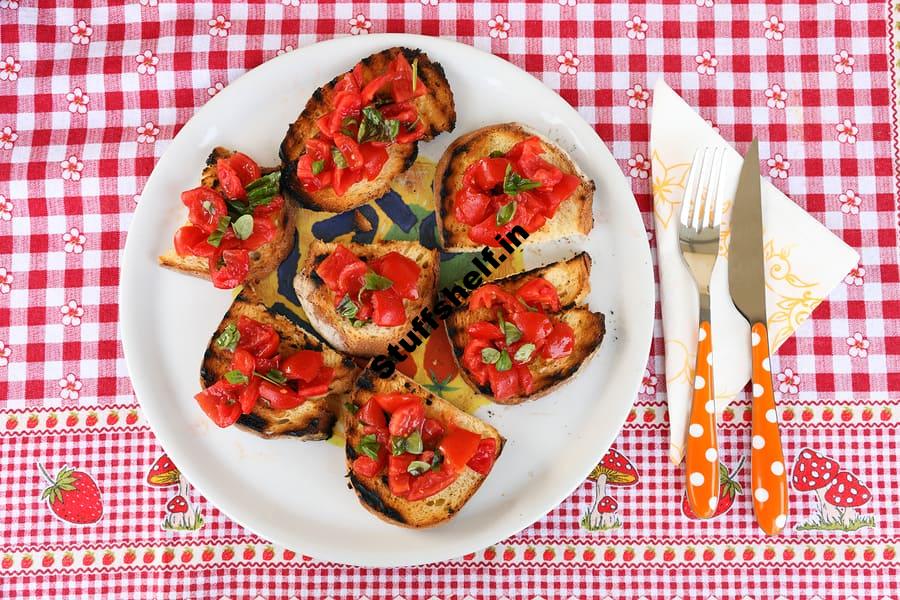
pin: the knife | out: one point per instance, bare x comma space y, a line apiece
746, 282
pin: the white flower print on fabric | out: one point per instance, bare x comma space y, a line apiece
637, 96
704, 3
429, 2
219, 26
5, 353
639, 166
10, 4
499, 27
215, 88
843, 62
149, 2
648, 383
146, 62
71, 168
788, 381
773, 28
846, 131
71, 313
147, 133
6, 208
9, 69
856, 276
706, 63
291, 3
636, 28
778, 167
78, 101
359, 25
8, 138
281, 51
81, 33
568, 63
74, 241
776, 97
69, 387
858, 346
850, 202
6, 280
566, 2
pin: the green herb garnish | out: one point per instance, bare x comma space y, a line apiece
236, 377
374, 281
229, 337
504, 363
338, 158
215, 238
414, 443
261, 191
490, 356
317, 166
398, 445
523, 354
368, 445
351, 408
509, 330
375, 128
243, 227
513, 183
347, 308
497, 154
506, 213
417, 467
273, 376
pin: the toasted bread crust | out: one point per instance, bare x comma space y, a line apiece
571, 280
374, 493
317, 300
436, 109
574, 215
312, 420
264, 259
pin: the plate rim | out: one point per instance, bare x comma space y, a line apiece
167, 439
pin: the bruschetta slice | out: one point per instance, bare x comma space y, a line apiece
502, 176
413, 458
520, 337
362, 129
239, 227
264, 373
361, 297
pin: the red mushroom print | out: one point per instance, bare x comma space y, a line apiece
179, 513
612, 470
606, 508
847, 493
813, 472
177, 505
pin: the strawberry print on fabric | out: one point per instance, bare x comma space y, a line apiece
729, 490
73, 496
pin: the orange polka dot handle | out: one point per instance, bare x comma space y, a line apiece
767, 470
702, 455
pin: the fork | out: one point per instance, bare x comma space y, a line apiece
698, 236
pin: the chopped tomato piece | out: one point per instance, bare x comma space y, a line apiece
535, 326
243, 361
402, 271
560, 342
190, 240
430, 483
526, 381
392, 401
539, 293
279, 397
365, 466
490, 295
372, 88
370, 413
230, 269
472, 361
410, 133
343, 179
387, 308
205, 207
472, 206
374, 157
405, 112
399, 478
350, 150
458, 446
318, 386
484, 330
264, 365
274, 206
302, 365
486, 174
219, 402
351, 280
230, 180
483, 459
504, 384
257, 338
264, 231
330, 269
245, 167
250, 395
432, 431
407, 418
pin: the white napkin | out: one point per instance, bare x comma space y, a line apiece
804, 262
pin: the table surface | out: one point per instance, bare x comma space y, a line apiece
92, 93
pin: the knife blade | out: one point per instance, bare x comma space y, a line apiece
746, 263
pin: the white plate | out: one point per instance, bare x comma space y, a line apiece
294, 493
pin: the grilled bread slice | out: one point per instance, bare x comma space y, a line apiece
573, 217
264, 259
436, 109
318, 301
571, 280
312, 420
374, 493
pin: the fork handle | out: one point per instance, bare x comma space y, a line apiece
767, 470
702, 455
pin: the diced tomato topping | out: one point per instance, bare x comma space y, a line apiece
399, 478
275, 205
351, 280
504, 384
484, 330
387, 308
526, 381
230, 180
392, 401
190, 240
279, 397
473, 362
458, 446
430, 483
245, 167
230, 268
411, 133
402, 271
342, 179
472, 206
349, 150
249, 395
257, 338
329, 270
205, 207
490, 295
220, 403
560, 342
374, 157
243, 361
535, 326
264, 231
432, 431
365, 466
407, 418
302, 365
319, 384
483, 459
539, 293
370, 413
372, 88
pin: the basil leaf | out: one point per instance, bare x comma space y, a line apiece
490, 356
261, 191
437, 460
497, 154
398, 445
417, 467
506, 213
415, 73
361, 132
351, 408
229, 337
234, 376
273, 376
511, 332
513, 183
374, 281
263, 182
523, 354
347, 308
373, 115
368, 445
338, 158
215, 238
392, 128
414, 443
238, 208
504, 363
318, 166
357, 323
243, 227
374, 127
209, 207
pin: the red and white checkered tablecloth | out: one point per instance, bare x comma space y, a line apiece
91, 93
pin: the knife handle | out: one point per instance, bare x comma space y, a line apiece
702, 454
767, 470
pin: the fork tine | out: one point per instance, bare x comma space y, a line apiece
716, 190
690, 196
701, 212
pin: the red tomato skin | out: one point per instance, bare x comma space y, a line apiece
350, 150
472, 361
430, 483
230, 180
250, 395
483, 459
350, 281
233, 271
399, 478
504, 384
432, 432
264, 231
407, 418
560, 342
279, 397
539, 293
329, 270
458, 447
370, 413
374, 157
245, 167
387, 308
195, 198
243, 361
394, 400
365, 466
402, 271
535, 326
302, 365
259, 339
318, 386
490, 295
485, 330
219, 403
190, 240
